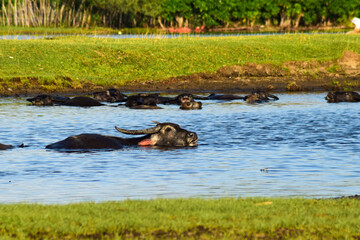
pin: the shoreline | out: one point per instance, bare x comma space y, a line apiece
298, 77
187, 84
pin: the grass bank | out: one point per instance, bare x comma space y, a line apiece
76, 62
228, 218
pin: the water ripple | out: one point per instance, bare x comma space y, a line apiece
297, 146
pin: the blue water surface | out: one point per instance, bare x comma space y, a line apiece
297, 146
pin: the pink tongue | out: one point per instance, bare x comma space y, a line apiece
147, 142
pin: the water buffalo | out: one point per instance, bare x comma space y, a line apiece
179, 99
142, 101
4, 147
335, 97
259, 97
191, 105
182, 98
48, 100
110, 95
163, 134
82, 102
214, 96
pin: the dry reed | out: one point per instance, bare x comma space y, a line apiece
33, 13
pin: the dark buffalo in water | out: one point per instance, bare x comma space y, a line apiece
191, 106
180, 99
186, 101
82, 102
142, 101
214, 96
4, 147
48, 100
260, 97
335, 97
163, 134
110, 95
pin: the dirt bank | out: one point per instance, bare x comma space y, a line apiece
340, 74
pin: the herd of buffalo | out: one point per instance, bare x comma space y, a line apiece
186, 101
163, 134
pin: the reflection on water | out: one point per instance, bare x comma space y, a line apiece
297, 146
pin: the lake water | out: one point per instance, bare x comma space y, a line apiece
297, 146
157, 36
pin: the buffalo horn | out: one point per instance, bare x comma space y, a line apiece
138, 132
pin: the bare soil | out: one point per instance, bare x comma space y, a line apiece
341, 74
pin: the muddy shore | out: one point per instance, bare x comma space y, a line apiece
340, 74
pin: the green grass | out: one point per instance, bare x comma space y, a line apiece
77, 61
226, 218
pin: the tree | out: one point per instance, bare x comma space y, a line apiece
178, 10
212, 12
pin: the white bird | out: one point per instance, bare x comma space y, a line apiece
356, 21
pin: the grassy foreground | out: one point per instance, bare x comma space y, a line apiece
78, 62
228, 218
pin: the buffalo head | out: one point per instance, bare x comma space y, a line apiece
110, 95
185, 97
41, 100
191, 105
334, 97
164, 134
259, 97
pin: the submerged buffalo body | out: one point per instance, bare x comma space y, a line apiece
4, 146
163, 134
110, 95
259, 97
335, 97
48, 100
214, 96
142, 101
82, 102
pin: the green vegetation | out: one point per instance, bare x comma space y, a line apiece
40, 31
43, 31
165, 13
227, 218
77, 62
